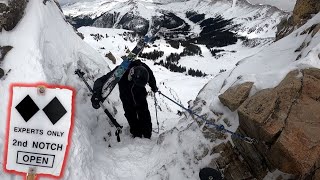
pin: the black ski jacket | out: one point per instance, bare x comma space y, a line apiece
124, 84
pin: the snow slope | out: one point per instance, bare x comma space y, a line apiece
47, 49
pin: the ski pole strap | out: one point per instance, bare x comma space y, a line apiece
217, 126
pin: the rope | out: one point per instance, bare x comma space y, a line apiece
219, 127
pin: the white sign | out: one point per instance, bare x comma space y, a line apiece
39, 125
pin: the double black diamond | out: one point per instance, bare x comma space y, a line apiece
27, 108
54, 110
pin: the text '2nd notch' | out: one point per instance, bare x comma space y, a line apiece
40, 118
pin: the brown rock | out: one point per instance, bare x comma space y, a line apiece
12, 14
236, 95
256, 161
301, 133
263, 115
316, 175
287, 120
111, 57
255, 111
304, 9
234, 168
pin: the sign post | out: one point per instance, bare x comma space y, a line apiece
40, 118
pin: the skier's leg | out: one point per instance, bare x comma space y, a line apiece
140, 96
131, 116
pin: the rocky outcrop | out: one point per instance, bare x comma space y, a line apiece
133, 22
229, 161
286, 122
236, 95
10, 15
3, 51
106, 20
302, 11
111, 57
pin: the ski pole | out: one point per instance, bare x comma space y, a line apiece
112, 119
218, 127
155, 105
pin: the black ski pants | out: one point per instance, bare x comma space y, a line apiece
135, 105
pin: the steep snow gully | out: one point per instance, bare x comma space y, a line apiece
47, 49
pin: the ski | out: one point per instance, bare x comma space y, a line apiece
111, 118
121, 69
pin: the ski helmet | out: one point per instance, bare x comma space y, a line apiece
139, 75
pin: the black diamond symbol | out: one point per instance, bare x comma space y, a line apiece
54, 110
27, 108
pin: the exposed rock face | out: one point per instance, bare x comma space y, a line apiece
10, 15
286, 121
229, 161
106, 20
111, 57
135, 23
236, 95
303, 11
269, 108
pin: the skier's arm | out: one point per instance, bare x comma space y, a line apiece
152, 80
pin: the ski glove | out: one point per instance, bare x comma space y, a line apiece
95, 100
154, 89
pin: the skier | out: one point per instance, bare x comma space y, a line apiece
133, 95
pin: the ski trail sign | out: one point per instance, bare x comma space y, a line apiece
39, 128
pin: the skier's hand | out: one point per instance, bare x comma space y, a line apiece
155, 89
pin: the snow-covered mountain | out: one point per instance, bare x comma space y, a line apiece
197, 30
253, 20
